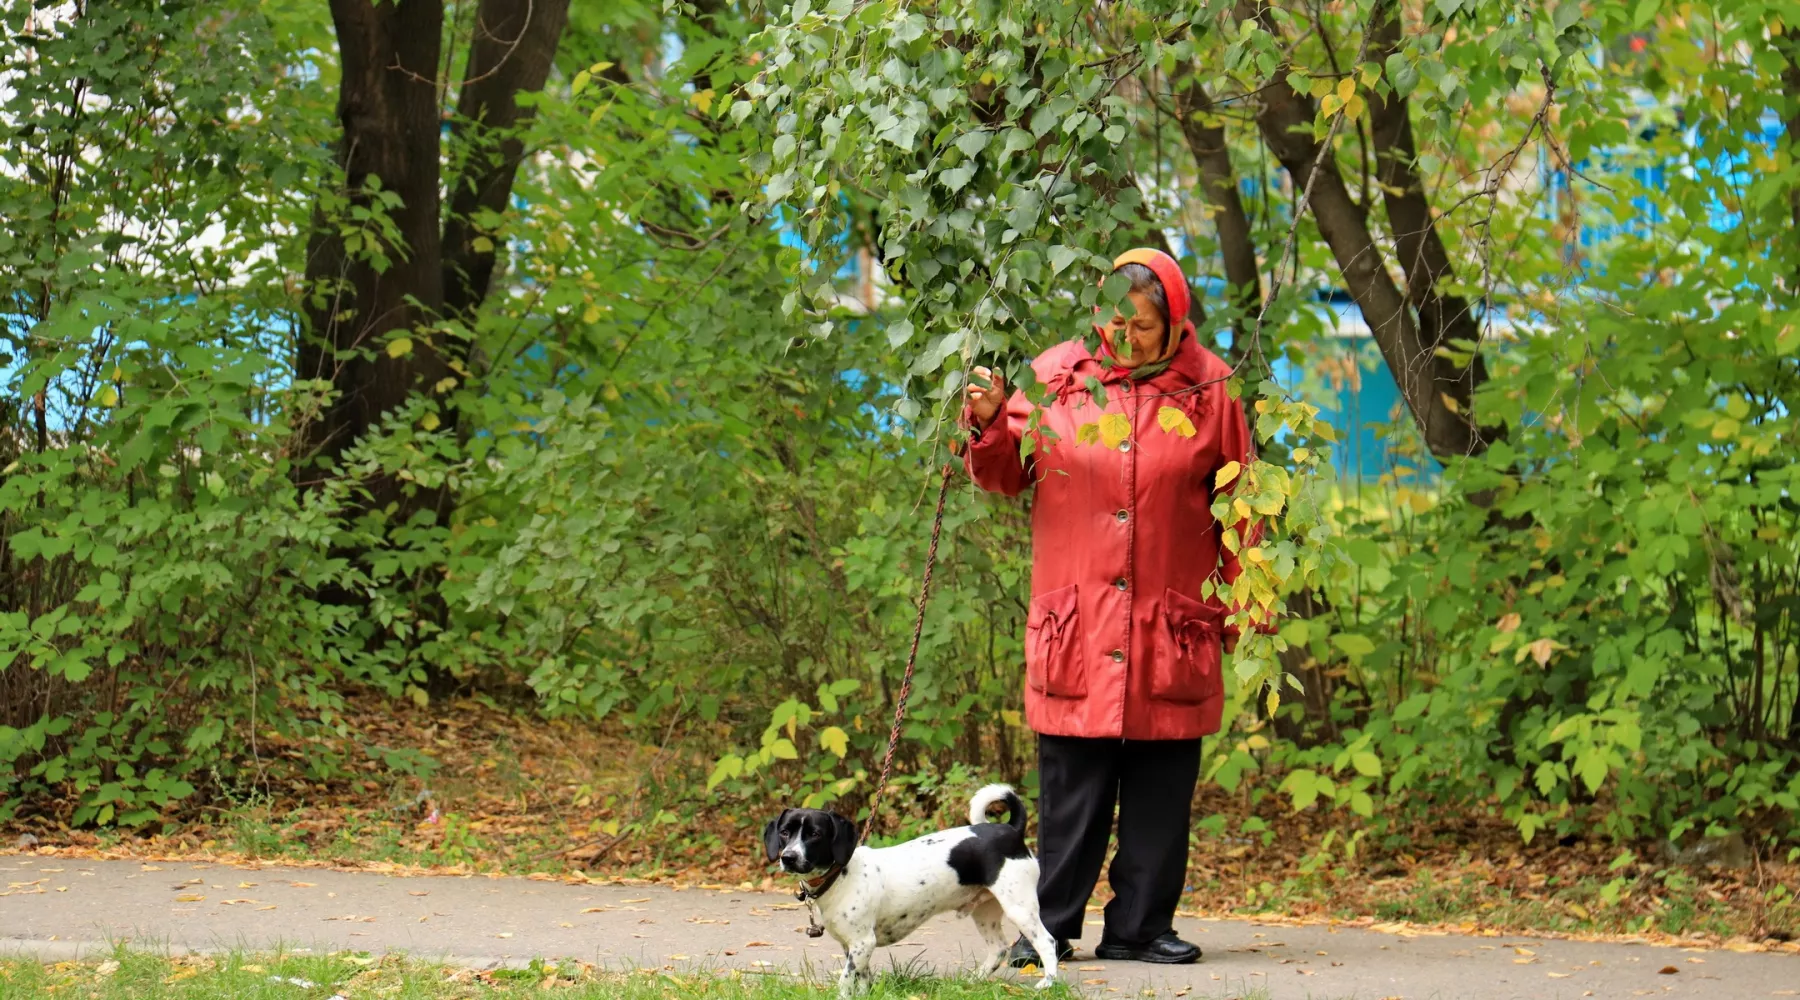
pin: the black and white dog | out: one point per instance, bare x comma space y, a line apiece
868, 897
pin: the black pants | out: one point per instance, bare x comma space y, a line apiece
1079, 781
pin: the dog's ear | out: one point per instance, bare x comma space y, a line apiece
772, 835
843, 839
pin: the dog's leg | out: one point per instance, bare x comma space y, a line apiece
989, 916
857, 975
1016, 891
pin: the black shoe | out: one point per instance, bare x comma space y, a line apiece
1165, 950
1023, 954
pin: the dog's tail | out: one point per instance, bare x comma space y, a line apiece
1015, 806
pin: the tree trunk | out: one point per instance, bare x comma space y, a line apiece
1285, 119
513, 50
1445, 320
388, 108
1218, 180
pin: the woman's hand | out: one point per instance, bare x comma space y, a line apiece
985, 402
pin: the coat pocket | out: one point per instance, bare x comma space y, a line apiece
1053, 661
1187, 651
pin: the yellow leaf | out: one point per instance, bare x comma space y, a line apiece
1509, 622
703, 100
109, 396
1174, 421
1354, 106
836, 740
444, 384
591, 314
1370, 73
1226, 474
1274, 703
1346, 88
189, 897
399, 346
1330, 104
482, 244
1114, 429
1087, 434
1254, 554
429, 422
1450, 404
1302, 454
1242, 509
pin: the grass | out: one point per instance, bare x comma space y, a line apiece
137, 975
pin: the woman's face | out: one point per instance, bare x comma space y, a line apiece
1136, 339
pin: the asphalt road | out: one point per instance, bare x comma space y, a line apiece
54, 909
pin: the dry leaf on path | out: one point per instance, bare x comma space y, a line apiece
189, 897
1667, 970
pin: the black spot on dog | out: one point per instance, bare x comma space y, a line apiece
977, 860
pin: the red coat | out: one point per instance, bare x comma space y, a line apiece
1118, 641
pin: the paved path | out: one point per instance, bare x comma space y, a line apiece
57, 908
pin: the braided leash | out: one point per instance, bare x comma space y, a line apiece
912, 656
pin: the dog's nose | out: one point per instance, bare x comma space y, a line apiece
790, 859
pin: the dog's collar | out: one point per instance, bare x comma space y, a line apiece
810, 891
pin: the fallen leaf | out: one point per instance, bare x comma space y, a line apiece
106, 968
303, 885
504, 934
757, 944
1524, 951
646, 899
1524, 961
234, 902
246, 885
189, 897
1667, 970
1091, 968
417, 892
1697, 961
271, 906
677, 958
1091, 982
596, 909
1557, 975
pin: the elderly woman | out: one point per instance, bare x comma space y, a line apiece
1122, 651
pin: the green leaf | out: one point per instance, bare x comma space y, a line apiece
972, 143
1061, 257
1016, 140
1568, 13
1367, 764
1644, 14
783, 749
1354, 646
399, 347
